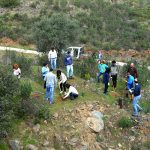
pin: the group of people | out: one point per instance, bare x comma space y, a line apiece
50, 79
132, 86
105, 74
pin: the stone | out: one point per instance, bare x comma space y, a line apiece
14, 144
31, 147
36, 128
96, 114
73, 141
55, 115
46, 143
95, 124
132, 138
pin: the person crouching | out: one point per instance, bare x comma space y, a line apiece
72, 93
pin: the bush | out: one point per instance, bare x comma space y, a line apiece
9, 3
125, 122
25, 90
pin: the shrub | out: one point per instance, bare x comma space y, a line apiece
25, 90
9, 3
125, 122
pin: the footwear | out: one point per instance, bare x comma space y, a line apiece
65, 93
140, 110
134, 115
61, 92
71, 77
46, 99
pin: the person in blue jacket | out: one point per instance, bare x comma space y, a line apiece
106, 79
69, 65
137, 97
101, 67
130, 81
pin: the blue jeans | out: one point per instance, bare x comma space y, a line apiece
98, 77
135, 105
53, 63
50, 93
69, 70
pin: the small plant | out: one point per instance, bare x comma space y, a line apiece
9, 3
87, 76
125, 122
25, 90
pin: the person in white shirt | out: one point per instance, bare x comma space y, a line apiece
72, 93
62, 81
52, 56
16, 71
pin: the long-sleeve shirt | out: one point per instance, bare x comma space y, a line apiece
137, 90
130, 79
71, 90
52, 54
17, 72
102, 68
63, 78
68, 60
50, 79
45, 70
133, 72
114, 70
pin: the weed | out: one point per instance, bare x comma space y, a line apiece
125, 122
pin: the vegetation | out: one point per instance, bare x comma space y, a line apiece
9, 3
125, 122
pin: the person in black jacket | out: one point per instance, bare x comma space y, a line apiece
137, 97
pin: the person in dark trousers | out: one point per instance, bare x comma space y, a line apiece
137, 97
62, 81
106, 79
72, 93
69, 65
133, 71
114, 72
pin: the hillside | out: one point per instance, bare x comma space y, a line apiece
98, 24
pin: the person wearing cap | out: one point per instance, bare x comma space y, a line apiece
137, 96
114, 72
52, 56
69, 65
133, 71
51, 81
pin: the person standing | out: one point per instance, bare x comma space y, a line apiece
137, 97
45, 70
100, 56
130, 82
72, 93
51, 81
133, 71
106, 80
102, 68
52, 56
69, 65
114, 72
62, 81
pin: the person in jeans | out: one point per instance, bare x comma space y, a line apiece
52, 56
45, 70
114, 72
137, 97
72, 93
51, 81
69, 65
62, 81
101, 67
106, 80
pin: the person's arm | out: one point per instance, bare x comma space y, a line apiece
67, 95
49, 55
135, 72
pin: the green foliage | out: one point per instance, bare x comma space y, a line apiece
9, 86
25, 90
125, 122
57, 31
42, 59
9, 3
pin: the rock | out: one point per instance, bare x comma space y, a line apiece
36, 128
73, 141
90, 107
55, 115
31, 147
14, 144
96, 114
95, 124
46, 143
131, 138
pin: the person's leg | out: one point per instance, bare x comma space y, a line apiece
134, 105
98, 77
138, 107
44, 84
71, 96
106, 88
61, 87
68, 70
54, 63
47, 92
64, 86
71, 70
115, 81
51, 94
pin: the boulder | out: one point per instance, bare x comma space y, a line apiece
31, 147
14, 144
95, 124
36, 128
